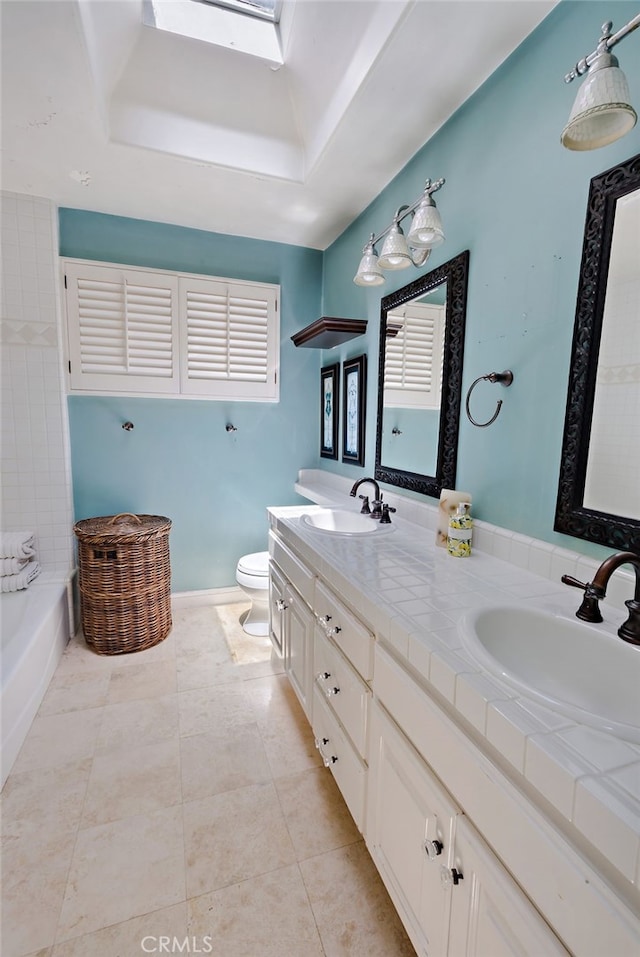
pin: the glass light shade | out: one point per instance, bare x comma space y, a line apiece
426, 229
601, 113
369, 272
395, 253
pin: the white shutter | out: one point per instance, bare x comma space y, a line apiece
414, 356
149, 332
230, 339
122, 329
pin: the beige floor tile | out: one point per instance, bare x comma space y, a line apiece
315, 812
266, 916
133, 938
138, 723
50, 798
213, 763
353, 911
133, 780
218, 710
55, 739
199, 630
35, 866
201, 669
234, 836
165, 650
142, 680
123, 870
75, 692
78, 658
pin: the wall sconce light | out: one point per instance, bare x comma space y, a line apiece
397, 252
602, 112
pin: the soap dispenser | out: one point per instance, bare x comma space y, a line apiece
460, 531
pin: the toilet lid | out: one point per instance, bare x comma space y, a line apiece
255, 564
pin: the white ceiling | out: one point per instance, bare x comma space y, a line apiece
102, 112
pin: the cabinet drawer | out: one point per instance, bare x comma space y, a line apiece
344, 691
295, 570
347, 632
338, 755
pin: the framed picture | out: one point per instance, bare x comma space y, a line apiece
329, 410
354, 386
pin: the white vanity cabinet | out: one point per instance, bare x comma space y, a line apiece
291, 586
454, 896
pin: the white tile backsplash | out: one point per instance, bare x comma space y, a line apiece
36, 481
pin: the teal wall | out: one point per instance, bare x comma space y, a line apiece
514, 197
517, 200
179, 460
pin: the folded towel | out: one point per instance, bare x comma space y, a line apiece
17, 545
11, 566
22, 580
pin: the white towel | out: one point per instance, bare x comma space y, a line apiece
22, 580
17, 545
11, 566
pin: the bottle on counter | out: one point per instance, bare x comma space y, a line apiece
460, 531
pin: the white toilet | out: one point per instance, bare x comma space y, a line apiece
252, 574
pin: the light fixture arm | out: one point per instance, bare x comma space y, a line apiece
606, 42
403, 211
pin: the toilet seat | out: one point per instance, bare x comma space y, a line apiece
256, 565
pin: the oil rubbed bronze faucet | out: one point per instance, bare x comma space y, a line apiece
596, 590
377, 502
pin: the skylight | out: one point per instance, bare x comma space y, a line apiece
247, 26
266, 9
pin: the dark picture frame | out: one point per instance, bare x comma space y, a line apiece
329, 410
354, 391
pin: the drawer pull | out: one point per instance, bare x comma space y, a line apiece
331, 691
322, 676
450, 875
325, 618
334, 631
433, 849
281, 605
327, 761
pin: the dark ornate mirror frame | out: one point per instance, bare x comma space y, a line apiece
572, 517
455, 273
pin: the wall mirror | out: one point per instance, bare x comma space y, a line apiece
599, 487
420, 379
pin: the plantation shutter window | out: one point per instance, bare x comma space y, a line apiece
122, 329
156, 333
414, 354
229, 338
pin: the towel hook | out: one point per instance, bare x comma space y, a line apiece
127, 426
230, 428
504, 378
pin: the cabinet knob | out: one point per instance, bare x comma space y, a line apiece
327, 760
334, 631
281, 605
433, 849
331, 691
322, 676
325, 618
450, 875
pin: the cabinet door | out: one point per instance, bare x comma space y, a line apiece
277, 605
410, 824
490, 914
298, 638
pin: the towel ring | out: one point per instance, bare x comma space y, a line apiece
504, 378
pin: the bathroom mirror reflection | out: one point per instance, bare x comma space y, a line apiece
420, 375
599, 491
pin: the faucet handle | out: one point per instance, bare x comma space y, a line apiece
386, 518
589, 610
568, 580
365, 510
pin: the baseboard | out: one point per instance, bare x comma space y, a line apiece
208, 596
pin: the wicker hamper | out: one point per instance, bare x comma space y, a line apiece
124, 576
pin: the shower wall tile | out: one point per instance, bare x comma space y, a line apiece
36, 479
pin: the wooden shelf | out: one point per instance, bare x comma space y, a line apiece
327, 332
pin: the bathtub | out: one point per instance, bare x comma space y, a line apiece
34, 630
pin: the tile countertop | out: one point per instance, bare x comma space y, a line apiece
414, 595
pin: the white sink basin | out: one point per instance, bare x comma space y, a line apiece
580, 670
337, 521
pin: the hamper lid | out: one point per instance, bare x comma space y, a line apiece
120, 527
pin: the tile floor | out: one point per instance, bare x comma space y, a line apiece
177, 793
